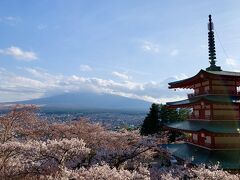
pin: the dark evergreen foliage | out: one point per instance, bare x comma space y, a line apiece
151, 122
159, 115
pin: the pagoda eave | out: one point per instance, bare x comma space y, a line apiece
200, 131
203, 75
185, 83
218, 127
216, 99
227, 159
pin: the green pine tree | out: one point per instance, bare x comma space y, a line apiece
158, 116
151, 122
169, 115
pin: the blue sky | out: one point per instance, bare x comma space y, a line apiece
130, 48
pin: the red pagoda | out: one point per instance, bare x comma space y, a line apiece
213, 128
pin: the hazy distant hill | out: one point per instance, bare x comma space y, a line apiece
90, 101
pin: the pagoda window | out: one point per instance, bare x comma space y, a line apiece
195, 137
208, 140
207, 113
206, 89
196, 113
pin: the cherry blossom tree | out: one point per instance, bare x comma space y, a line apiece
40, 157
103, 171
33, 148
21, 123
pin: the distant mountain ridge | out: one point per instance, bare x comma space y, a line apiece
89, 101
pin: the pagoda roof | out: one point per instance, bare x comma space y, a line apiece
226, 127
225, 73
203, 75
228, 159
209, 98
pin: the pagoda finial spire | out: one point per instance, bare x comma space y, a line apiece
211, 47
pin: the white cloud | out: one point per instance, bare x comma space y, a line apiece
233, 64
181, 76
38, 83
231, 61
148, 46
174, 52
120, 75
19, 54
10, 20
85, 67
156, 48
